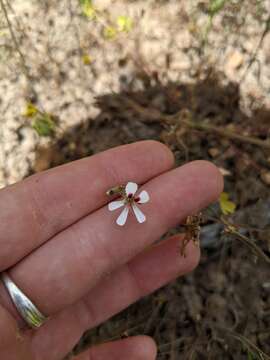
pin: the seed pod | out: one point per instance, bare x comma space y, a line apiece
116, 190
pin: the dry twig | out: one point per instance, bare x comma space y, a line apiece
232, 230
17, 47
183, 118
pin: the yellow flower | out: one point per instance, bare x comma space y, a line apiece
124, 23
227, 207
88, 9
86, 59
30, 110
109, 32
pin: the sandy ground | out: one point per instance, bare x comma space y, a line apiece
166, 38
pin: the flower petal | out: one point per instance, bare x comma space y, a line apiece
144, 197
122, 218
116, 204
131, 188
138, 213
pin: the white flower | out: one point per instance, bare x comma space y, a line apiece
129, 200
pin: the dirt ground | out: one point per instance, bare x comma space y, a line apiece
205, 97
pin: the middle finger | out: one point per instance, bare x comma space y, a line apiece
70, 264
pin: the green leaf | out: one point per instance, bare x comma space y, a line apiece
227, 207
251, 355
124, 23
215, 6
88, 9
44, 125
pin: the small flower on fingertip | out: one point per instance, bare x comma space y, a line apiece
130, 201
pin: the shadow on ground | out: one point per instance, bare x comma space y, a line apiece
214, 312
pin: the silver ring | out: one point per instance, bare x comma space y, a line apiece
28, 311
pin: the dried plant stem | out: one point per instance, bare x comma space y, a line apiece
254, 56
17, 47
231, 229
250, 345
183, 118
226, 133
3, 7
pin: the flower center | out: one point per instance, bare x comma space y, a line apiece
131, 198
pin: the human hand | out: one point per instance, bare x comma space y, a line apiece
64, 250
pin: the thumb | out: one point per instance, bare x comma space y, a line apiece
133, 348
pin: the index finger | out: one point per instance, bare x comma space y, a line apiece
39, 207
